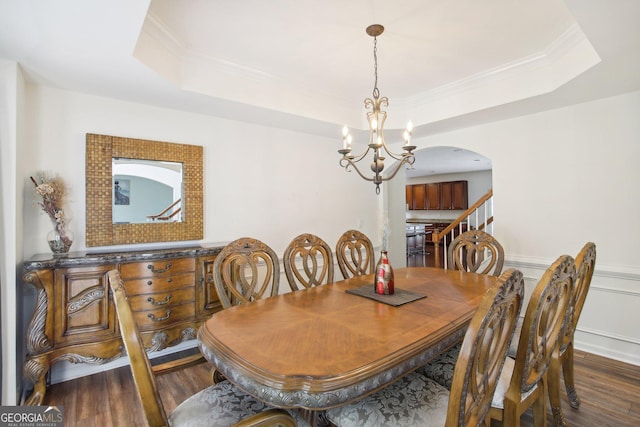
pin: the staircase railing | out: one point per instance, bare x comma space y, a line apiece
478, 217
162, 217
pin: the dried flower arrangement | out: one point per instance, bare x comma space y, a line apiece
52, 192
386, 231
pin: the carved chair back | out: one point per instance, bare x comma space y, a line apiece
354, 252
563, 360
245, 270
484, 351
476, 251
585, 263
544, 323
143, 375
308, 261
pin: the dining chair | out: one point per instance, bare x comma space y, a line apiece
417, 400
308, 261
524, 380
354, 252
563, 359
245, 270
476, 251
221, 405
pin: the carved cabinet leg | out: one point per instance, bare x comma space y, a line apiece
35, 369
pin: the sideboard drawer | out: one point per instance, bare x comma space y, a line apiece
159, 284
157, 268
167, 299
163, 316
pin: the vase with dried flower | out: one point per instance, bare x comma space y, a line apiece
384, 281
52, 192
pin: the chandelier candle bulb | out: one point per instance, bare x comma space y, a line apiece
407, 134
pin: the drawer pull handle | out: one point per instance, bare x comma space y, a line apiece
160, 270
150, 282
159, 319
154, 302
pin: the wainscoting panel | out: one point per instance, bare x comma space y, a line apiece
608, 324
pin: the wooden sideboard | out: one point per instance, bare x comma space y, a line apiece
171, 292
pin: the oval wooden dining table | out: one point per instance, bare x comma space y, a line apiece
324, 347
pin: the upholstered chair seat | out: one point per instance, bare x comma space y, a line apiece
441, 368
503, 385
224, 405
413, 400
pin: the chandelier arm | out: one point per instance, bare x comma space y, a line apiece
397, 156
406, 160
359, 157
351, 163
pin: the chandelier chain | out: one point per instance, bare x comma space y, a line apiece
376, 92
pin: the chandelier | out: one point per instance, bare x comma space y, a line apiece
376, 118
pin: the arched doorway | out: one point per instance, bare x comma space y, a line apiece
445, 165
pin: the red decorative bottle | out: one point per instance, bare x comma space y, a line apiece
384, 276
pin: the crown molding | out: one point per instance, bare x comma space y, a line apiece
566, 57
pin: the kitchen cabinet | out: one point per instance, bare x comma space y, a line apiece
409, 196
454, 195
446, 195
433, 196
419, 197
171, 293
450, 195
416, 196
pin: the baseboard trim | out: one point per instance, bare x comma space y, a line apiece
65, 371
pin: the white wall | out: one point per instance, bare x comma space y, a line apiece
562, 178
263, 182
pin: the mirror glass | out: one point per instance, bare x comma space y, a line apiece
146, 191
178, 170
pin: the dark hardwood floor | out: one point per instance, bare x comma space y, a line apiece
610, 393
